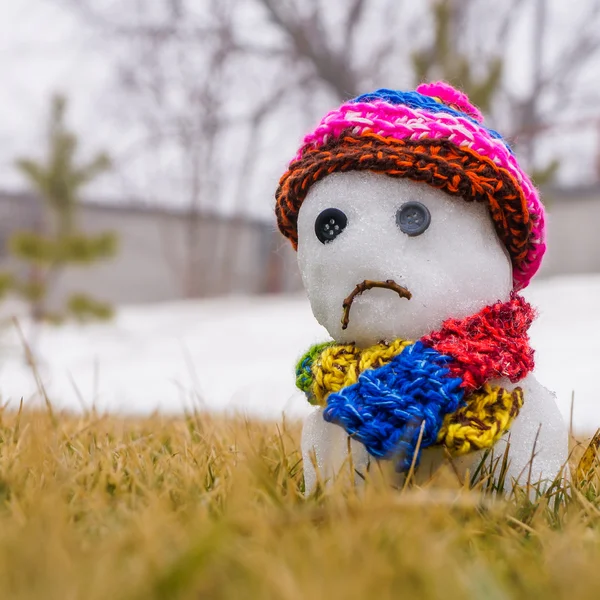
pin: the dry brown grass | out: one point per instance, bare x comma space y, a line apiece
103, 507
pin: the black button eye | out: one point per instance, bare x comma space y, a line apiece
329, 224
413, 218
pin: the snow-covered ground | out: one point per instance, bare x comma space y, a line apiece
238, 354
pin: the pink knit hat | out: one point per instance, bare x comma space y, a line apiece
436, 126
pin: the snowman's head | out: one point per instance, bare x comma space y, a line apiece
430, 257
407, 211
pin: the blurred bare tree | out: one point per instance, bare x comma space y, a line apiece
208, 79
172, 66
323, 41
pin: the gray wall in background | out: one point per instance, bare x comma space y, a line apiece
573, 231
231, 256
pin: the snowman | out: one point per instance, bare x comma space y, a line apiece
415, 230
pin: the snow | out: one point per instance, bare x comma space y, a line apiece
238, 354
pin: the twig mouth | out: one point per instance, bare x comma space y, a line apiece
367, 284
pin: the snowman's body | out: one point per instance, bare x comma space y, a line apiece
538, 445
453, 269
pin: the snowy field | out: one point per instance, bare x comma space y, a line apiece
238, 354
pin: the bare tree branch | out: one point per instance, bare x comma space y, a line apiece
510, 16
353, 19
309, 43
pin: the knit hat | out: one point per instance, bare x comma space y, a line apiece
432, 135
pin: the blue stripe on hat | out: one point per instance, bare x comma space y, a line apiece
416, 100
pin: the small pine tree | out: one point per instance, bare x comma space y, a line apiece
57, 243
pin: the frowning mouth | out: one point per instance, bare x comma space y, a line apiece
367, 284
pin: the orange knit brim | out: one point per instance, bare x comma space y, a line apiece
459, 172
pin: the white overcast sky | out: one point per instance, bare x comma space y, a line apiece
44, 49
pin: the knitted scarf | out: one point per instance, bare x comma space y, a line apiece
438, 388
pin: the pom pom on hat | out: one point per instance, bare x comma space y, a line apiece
451, 97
